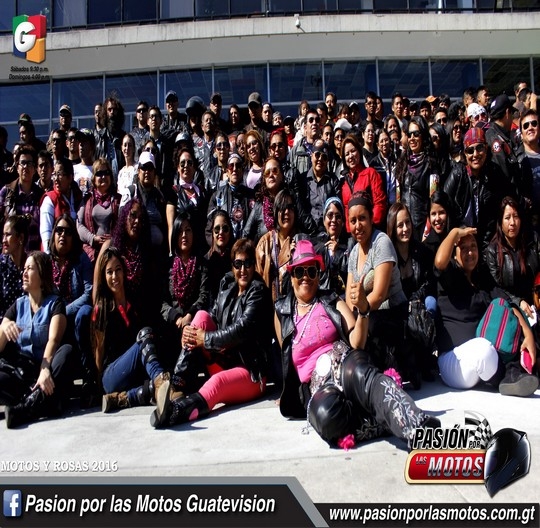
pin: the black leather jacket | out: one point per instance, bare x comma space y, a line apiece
512, 281
255, 227
245, 330
296, 395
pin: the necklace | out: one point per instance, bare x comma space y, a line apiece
305, 305
313, 304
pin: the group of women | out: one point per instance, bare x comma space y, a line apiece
181, 296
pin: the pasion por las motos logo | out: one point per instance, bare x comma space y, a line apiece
470, 454
29, 37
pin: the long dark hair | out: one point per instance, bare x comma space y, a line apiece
502, 243
391, 225
175, 233
119, 237
76, 244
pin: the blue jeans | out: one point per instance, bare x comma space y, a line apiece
127, 373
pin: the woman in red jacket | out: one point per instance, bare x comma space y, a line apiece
356, 177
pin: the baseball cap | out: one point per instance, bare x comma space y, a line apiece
85, 134
288, 119
216, 98
254, 99
23, 119
343, 124
321, 148
499, 105
65, 108
147, 157
171, 96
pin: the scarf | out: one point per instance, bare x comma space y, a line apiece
184, 279
61, 278
268, 213
415, 163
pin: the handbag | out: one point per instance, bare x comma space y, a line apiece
501, 328
420, 324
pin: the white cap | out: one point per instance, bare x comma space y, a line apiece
343, 124
474, 110
147, 157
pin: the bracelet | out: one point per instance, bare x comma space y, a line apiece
366, 313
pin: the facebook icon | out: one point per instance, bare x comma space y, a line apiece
12, 503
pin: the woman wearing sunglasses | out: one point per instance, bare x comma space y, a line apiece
477, 189
218, 258
233, 341
275, 247
417, 174
233, 197
261, 218
187, 290
98, 213
327, 373
218, 173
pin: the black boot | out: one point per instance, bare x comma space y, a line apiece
516, 382
379, 395
177, 411
186, 371
29, 410
145, 338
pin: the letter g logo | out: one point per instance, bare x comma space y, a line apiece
21, 39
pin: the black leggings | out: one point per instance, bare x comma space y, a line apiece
370, 405
18, 373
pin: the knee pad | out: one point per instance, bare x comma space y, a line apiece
330, 414
145, 338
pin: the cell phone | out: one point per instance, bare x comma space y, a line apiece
526, 361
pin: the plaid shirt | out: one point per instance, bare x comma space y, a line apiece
14, 201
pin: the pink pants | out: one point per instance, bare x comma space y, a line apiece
232, 386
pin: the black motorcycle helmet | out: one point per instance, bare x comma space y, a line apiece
195, 105
508, 458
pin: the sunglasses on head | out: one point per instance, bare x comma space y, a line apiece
301, 271
60, 230
480, 148
247, 263
221, 229
414, 133
527, 124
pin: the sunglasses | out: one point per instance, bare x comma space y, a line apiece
71, 138
25, 163
103, 173
221, 229
142, 110
232, 166
59, 230
275, 146
481, 148
338, 137
434, 137
272, 170
456, 128
334, 216
414, 133
526, 125
153, 150
222, 145
314, 120
301, 271
186, 163
248, 263
321, 155
442, 121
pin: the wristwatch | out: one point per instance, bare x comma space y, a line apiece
365, 314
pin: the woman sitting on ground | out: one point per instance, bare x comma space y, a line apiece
125, 352
234, 341
465, 291
30, 337
319, 335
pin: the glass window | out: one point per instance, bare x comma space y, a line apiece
350, 5
320, 5
500, 75
284, 6
104, 11
175, 9
80, 94
237, 82
210, 8
296, 81
350, 80
410, 77
34, 7
130, 89
536, 75
454, 76
8, 12
186, 84
247, 7
137, 10
69, 14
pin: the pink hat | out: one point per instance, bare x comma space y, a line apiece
473, 136
303, 253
